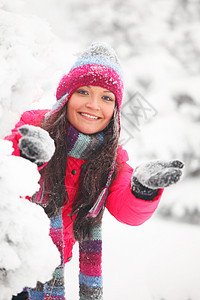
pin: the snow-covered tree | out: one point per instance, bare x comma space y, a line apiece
30, 62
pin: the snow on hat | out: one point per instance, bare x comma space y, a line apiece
98, 65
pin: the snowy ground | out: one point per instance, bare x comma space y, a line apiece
158, 260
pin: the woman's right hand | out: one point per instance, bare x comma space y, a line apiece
36, 144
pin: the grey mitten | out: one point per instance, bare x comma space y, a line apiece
36, 144
148, 177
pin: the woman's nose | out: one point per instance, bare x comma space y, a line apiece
93, 103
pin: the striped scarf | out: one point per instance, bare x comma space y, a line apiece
90, 258
90, 250
79, 146
90, 275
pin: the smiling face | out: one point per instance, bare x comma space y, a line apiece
90, 109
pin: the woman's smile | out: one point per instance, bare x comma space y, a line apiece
88, 116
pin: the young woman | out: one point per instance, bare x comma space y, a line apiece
88, 170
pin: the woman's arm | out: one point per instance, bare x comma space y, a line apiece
124, 205
134, 195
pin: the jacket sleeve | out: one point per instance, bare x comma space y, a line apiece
121, 202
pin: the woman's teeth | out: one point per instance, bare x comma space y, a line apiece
89, 116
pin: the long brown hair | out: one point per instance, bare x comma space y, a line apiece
93, 175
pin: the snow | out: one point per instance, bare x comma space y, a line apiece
154, 261
27, 253
158, 45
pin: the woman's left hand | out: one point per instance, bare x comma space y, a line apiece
159, 173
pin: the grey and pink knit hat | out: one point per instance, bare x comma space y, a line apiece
98, 65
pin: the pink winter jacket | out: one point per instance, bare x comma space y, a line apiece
121, 203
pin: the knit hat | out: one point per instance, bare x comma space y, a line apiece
98, 65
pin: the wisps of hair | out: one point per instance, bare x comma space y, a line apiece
55, 171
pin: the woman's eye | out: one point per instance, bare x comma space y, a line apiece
82, 92
107, 98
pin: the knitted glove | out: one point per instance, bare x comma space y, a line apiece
36, 144
148, 177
